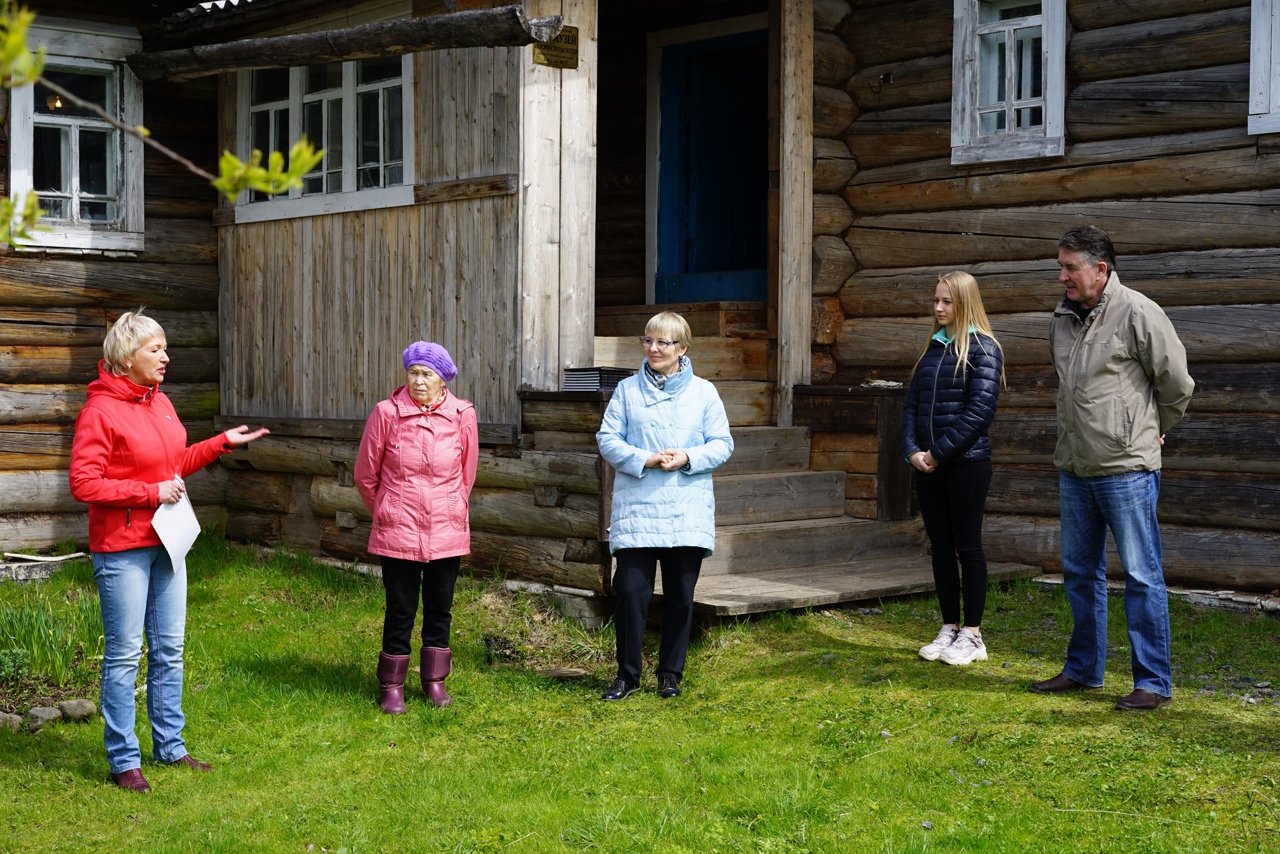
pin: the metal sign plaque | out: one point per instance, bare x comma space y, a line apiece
560, 52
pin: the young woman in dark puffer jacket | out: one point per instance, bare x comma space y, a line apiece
950, 405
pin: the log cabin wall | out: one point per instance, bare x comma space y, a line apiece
55, 308
1158, 155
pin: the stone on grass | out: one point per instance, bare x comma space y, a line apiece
38, 716
77, 710
10, 721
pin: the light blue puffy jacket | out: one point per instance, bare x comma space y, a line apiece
653, 508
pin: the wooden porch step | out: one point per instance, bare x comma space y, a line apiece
812, 542
763, 449
790, 587
778, 497
713, 358
706, 319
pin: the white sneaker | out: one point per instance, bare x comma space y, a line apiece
931, 651
966, 648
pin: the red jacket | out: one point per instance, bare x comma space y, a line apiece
128, 439
415, 472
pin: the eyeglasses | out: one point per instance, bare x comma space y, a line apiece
660, 343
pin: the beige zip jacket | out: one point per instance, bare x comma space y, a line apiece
1122, 383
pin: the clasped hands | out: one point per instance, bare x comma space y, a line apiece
672, 459
924, 461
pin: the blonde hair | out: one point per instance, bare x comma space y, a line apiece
969, 314
131, 330
671, 326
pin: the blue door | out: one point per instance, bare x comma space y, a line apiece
713, 171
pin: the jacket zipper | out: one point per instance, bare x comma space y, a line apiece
128, 516
933, 440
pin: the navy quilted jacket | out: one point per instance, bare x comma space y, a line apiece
949, 412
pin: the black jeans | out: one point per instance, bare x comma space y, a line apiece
633, 582
953, 498
402, 580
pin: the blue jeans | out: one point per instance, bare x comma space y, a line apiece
140, 591
1125, 503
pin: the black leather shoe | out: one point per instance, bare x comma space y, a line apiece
1059, 684
619, 690
668, 685
1142, 700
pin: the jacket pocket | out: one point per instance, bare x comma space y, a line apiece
458, 511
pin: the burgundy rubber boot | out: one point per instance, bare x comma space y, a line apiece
437, 663
391, 673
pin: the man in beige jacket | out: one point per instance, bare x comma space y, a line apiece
1122, 385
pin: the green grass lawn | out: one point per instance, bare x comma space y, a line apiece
813, 732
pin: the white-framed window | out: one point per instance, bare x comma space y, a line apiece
87, 173
358, 112
1264, 67
1008, 79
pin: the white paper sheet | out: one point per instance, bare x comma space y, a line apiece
177, 527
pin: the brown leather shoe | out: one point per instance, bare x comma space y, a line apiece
132, 780
192, 763
1059, 684
1142, 700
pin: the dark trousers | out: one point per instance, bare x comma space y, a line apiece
402, 580
633, 582
953, 499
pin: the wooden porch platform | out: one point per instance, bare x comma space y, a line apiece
762, 591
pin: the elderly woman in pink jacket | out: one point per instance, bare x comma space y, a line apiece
416, 466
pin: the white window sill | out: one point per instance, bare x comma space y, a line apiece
82, 240
1008, 148
319, 205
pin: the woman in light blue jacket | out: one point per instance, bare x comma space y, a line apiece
664, 432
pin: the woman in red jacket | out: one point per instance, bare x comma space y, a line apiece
128, 457
416, 466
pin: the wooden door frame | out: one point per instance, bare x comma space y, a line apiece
791, 155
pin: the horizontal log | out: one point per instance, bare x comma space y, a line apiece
1218, 37
833, 264
1192, 556
48, 282
573, 472
1227, 276
913, 83
259, 491
49, 491
1206, 499
1233, 388
1173, 165
504, 26
1225, 442
570, 416
833, 111
827, 14
826, 320
1157, 104
42, 531
832, 60
295, 454
262, 528
898, 31
831, 214
1096, 14
902, 135
500, 511
1140, 226
60, 404
833, 165
61, 364
712, 358
181, 241
1210, 334
538, 559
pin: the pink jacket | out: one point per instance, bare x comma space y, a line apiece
415, 472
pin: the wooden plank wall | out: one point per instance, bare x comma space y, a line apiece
1158, 155
55, 309
317, 310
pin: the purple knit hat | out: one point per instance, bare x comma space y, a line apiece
433, 356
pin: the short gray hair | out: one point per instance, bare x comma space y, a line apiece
671, 326
131, 331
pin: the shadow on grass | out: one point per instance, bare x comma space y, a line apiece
309, 675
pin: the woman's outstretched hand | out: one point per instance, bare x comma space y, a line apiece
241, 435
